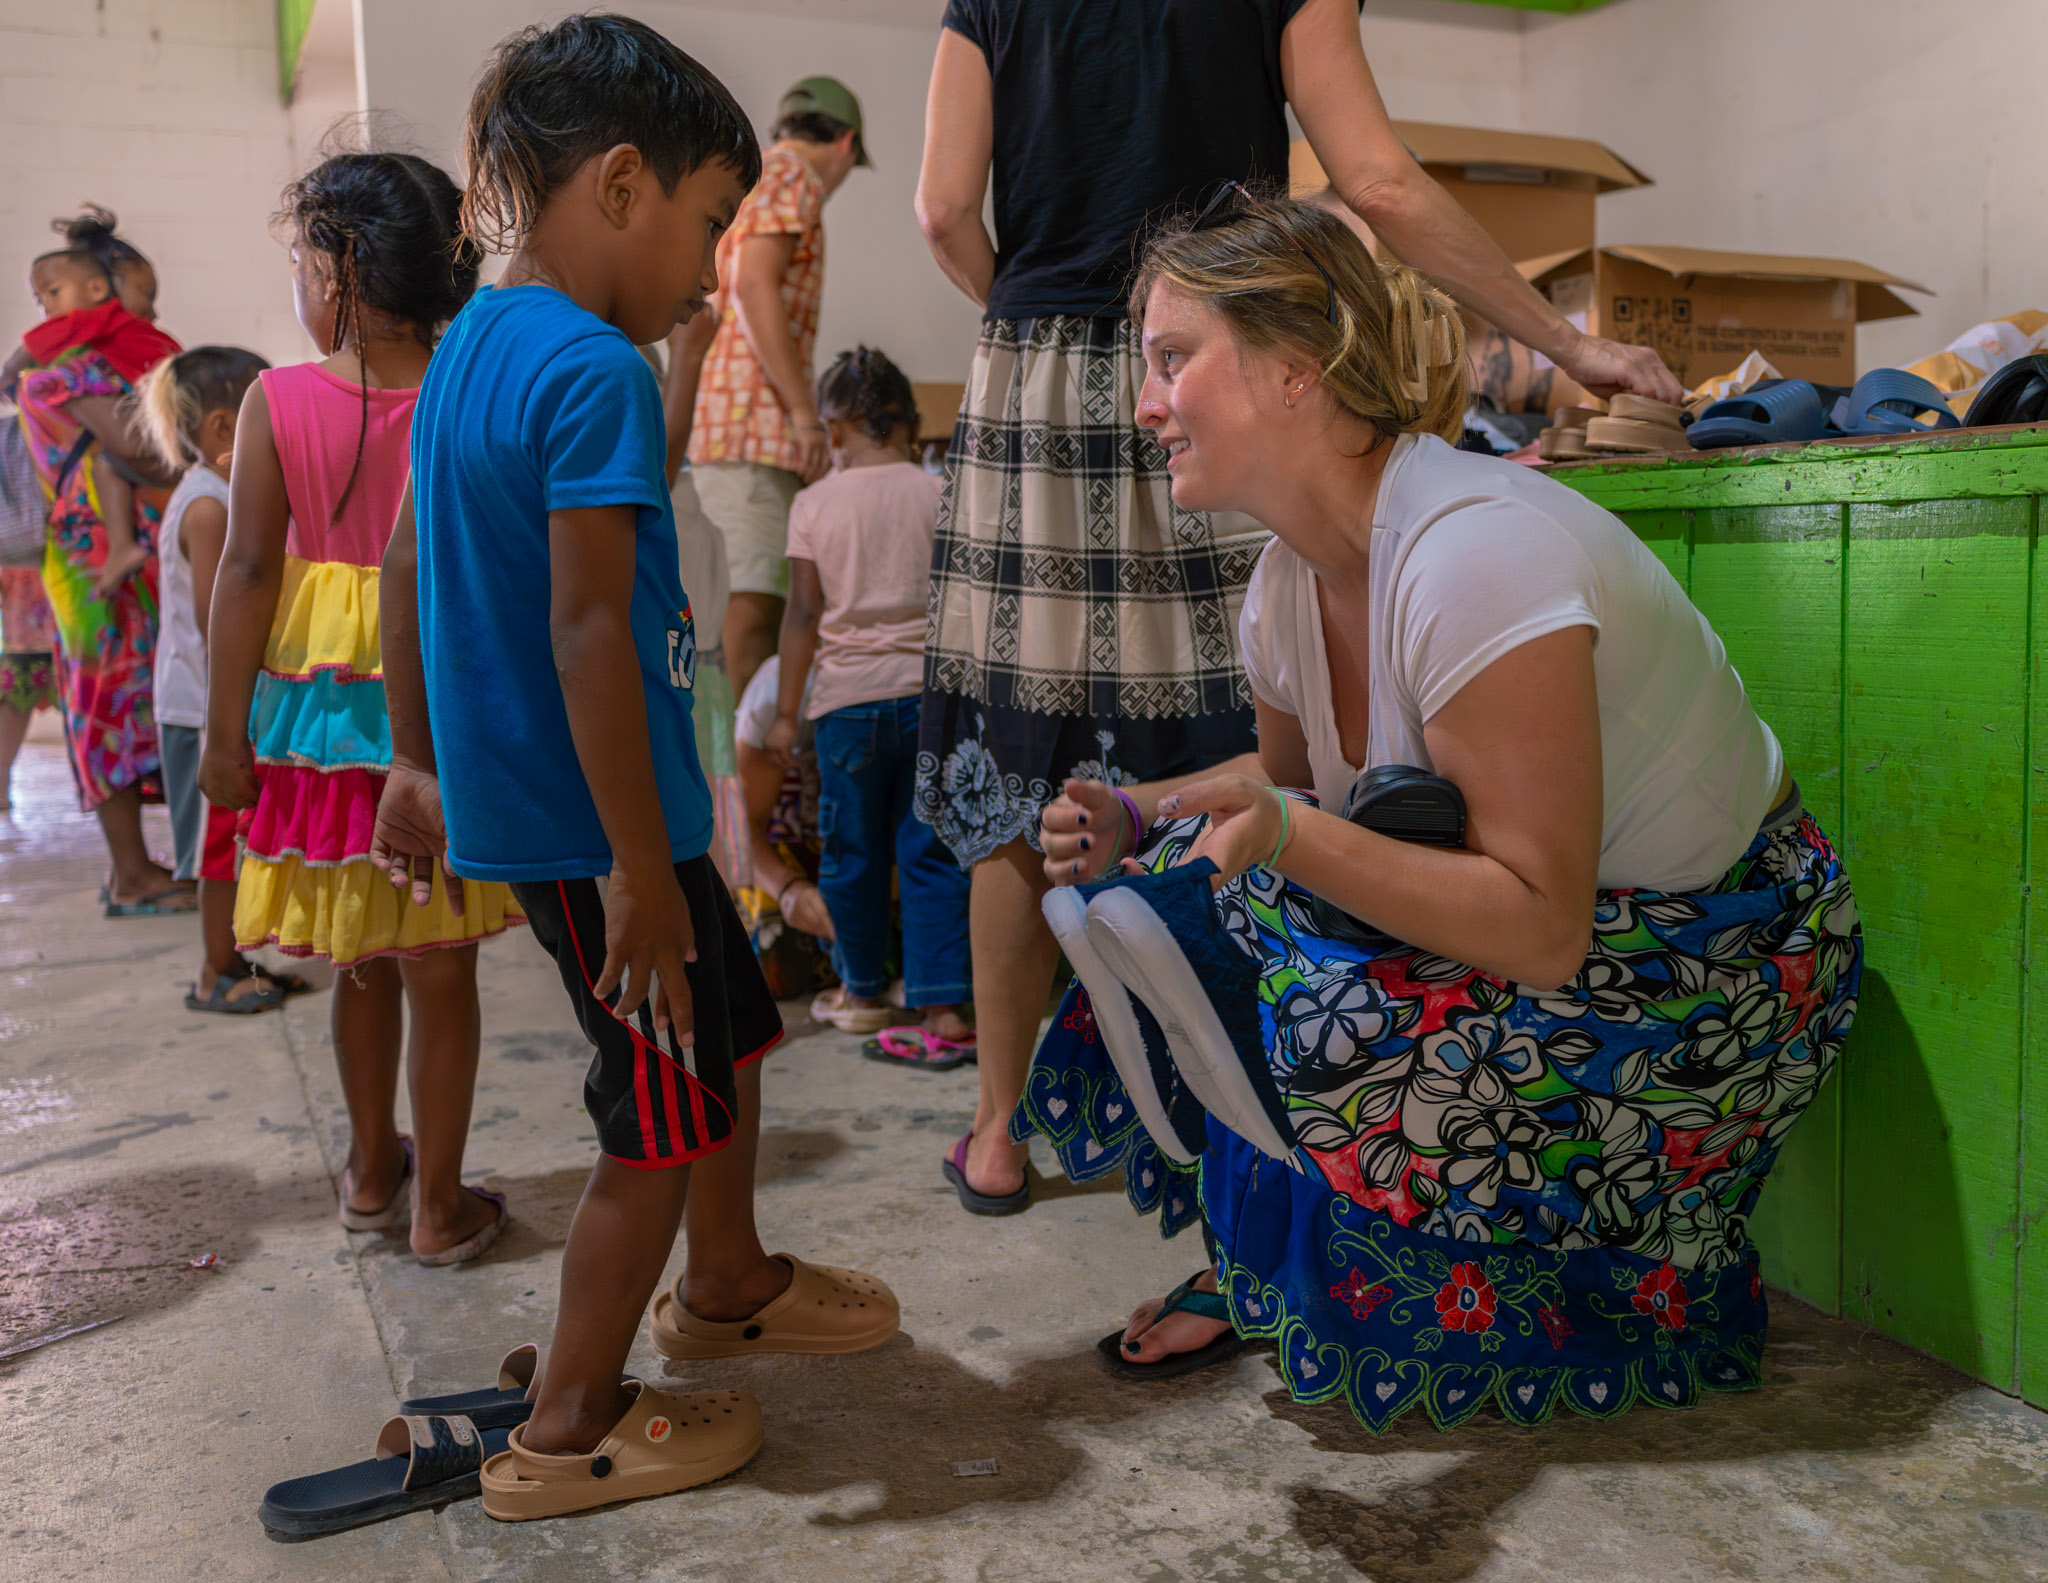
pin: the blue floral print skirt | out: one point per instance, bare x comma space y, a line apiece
1500, 1194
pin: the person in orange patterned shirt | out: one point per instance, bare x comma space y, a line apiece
757, 438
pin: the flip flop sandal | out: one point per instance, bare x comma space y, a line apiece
1131, 1036
396, 1211
2017, 393
1160, 935
1635, 435
1891, 401
421, 1461
471, 1247
1645, 409
1563, 445
263, 998
912, 1045
955, 1170
825, 1312
502, 1408
150, 906
663, 1444
1771, 413
288, 984
826, 1007
1182, 1299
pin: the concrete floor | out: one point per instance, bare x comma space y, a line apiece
135, 1137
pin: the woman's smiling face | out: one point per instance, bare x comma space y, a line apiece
1217, 408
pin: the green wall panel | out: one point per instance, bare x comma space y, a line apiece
1936, 718
1770, 580
1885, 606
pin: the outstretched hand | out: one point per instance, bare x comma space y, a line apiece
1083, 831
410, 835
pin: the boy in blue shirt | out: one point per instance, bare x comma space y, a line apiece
555, 657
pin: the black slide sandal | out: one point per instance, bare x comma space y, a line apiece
506, 1407
1183, 1298
421, 1461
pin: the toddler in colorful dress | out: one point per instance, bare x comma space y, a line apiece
297, 729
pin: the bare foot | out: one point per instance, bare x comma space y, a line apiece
726, 1298
154, 884
121, 563
442, 1230
946, 1022
371, 1191
1148, 1342
995, 1165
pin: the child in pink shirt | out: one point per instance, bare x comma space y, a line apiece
860, 549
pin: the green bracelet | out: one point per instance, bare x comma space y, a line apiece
1279, 845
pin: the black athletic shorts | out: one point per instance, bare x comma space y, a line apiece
657, 1104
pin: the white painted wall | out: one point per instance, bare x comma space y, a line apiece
881, 285
167, 112
1897, 132
1889, 130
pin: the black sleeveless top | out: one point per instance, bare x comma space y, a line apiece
1110, 113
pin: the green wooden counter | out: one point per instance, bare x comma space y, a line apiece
1887, 609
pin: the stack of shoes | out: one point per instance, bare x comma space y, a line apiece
1176, 1000
1565, 439
1636, 425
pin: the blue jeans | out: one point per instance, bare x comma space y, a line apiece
867, 759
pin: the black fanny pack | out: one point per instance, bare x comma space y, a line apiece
1403, 802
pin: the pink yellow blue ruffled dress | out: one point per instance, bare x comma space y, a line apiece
318, 721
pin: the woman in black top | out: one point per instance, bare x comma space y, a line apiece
1081, 626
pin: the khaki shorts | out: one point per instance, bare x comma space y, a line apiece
749, 503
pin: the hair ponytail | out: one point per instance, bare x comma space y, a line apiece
173, 398
1291, 277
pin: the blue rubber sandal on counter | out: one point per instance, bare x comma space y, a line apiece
1775, 412
1892, 401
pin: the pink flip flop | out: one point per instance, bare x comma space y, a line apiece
916, 1045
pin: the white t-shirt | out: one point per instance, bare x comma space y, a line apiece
180, 673
1473, 556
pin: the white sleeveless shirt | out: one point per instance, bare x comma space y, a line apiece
180, 670
1474, 556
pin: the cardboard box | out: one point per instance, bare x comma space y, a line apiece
1532, 194
1704, 311
938, 404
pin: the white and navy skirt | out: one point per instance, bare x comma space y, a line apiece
1080, 623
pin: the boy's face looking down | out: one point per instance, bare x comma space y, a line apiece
65, 285
662, 245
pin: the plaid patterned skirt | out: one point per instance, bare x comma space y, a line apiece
1080, 623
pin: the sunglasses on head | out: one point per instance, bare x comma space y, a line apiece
1231, 202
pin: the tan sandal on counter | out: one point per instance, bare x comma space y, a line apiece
665, 1442
826, 1312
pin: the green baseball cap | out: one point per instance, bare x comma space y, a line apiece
827, 96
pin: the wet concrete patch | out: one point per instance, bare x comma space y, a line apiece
124, 1245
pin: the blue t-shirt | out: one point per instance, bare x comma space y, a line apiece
532, 405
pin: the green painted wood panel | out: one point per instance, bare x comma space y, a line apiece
1770, 580
2031, 1317
1669, 537
1935, 658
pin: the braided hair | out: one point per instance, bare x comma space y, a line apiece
390, 228
862, 386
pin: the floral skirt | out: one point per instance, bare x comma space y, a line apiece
1530, 1198
28, 682
1080, 623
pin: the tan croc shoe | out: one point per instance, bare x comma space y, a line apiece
1645, 410
826, 1311
666, 1442
1635, 435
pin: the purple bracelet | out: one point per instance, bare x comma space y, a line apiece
1137, 824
